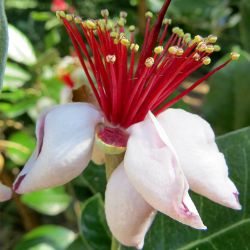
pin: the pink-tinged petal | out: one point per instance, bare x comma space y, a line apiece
153, 168
128, 215
5, 193
65, 137
204, 166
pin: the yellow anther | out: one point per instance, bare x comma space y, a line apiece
122, 36
173, 50
116, 41
180, 33
235, 56
158, 50
131, 28
121, 22
209, 49
123, 14
175, 30
69, 17
217, 48
206, 60
134, 47
198, 39
105, 13
60, 14
90, 24
110, 25
179, 52
77, 19
202, 47
167, 21
114, 34
149, 62
187, 35
110, 58
125, 42
196, 57
212, 39
149, 14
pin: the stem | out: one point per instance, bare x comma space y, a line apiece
111, 163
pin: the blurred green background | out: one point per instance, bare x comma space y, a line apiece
38, 44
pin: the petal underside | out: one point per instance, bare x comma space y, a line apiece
128, 215
204, 166
65, 138
152, 166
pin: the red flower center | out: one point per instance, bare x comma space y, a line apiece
128, 84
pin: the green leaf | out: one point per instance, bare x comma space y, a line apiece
50, 201
4, 41
21, 147
93, 227
245, 23
227, 104
78, 244
15, 76
20, 48
227, 229
47, 237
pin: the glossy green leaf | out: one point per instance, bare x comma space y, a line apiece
20, 48
15, 76
245, 23
227, 104
78, 244
21, 147
49, 201
4, 40
47, 237
227, 229
93, 227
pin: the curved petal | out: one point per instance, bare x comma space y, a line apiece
204, 166
128, 215
152, 167
65, 137
5, 193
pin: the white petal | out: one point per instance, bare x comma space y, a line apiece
204, 166
152, 167
64, 145
5, 193
98, 157
128, 215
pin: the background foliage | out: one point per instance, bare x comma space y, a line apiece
46, 220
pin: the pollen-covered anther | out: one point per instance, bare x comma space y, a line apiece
125, 42
175, 30
69, 17
131, 28
201, 47
77, 19
158, 50
212, 39
217, 48
209, 49
179, 52
198, 39
60, 14
149, 62
90, 24
148, 14
105, 13
110, 58
173, 50
114, 34
196, 57
206, 60
235, 56
167, 21
123, 14
121, 22
134, 46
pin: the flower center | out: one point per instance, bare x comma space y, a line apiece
111, 140
128, 83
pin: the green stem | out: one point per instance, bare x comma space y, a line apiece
115, 244
111, 163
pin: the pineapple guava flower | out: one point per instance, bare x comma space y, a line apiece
166, 150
